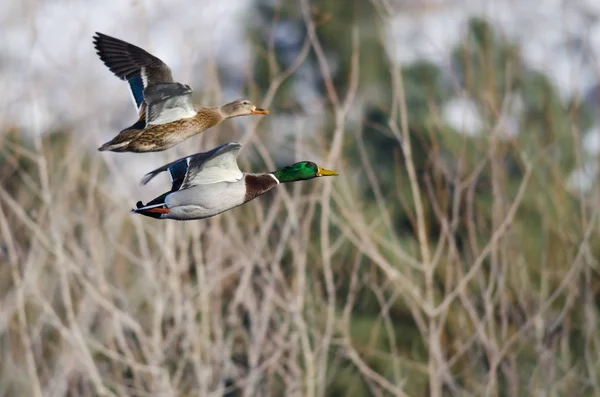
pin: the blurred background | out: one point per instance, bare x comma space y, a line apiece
456, 254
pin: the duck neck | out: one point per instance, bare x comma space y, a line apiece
258, 184
227, 111
208, 117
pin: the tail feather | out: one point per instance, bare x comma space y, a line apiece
153, 211
114, 147
141, 206
121, 142
154, 208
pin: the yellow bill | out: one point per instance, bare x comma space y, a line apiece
324, 172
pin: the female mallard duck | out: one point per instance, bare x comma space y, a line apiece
166, 113
206, 184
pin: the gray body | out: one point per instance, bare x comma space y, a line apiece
204, 201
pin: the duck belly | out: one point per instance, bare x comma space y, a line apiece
204, 201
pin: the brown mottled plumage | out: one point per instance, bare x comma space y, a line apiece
166, 114
164, 136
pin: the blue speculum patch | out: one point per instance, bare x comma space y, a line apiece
137, 88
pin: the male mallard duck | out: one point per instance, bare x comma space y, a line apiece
167, 115
206, 184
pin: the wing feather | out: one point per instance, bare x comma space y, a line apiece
217, 165
168, 102
222, 167
131, 63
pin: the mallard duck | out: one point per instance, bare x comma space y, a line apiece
206, 184
166, 113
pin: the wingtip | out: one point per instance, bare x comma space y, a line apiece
147, 178
232, 145
96, 37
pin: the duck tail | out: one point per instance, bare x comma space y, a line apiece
114, 147
121, 142
153, 211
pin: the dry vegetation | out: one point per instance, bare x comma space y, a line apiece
314, 289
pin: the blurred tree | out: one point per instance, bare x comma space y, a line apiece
523, 117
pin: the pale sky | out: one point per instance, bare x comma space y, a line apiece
49, 66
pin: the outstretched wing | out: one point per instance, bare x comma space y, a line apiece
133, 64
168, 102
217, 165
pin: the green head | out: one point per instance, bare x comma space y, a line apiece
301, 171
